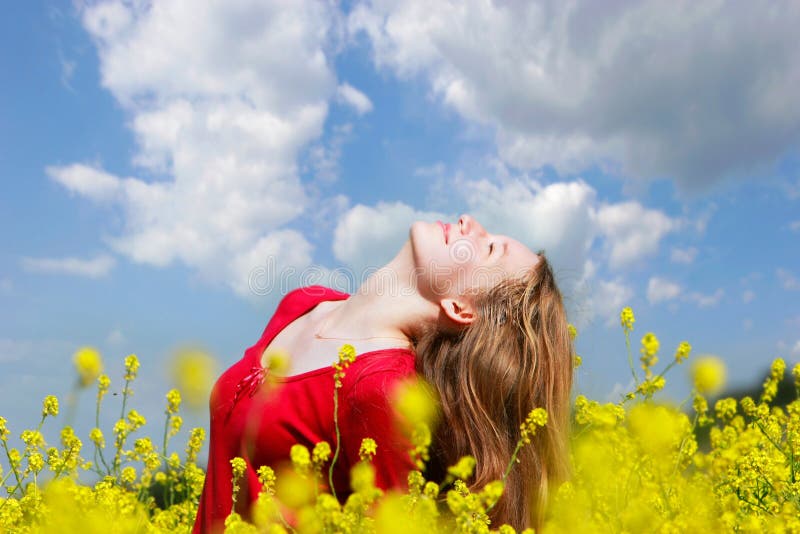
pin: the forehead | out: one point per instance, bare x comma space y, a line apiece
518, 258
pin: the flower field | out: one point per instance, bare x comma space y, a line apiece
638, 466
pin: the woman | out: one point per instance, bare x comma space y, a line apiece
476, 314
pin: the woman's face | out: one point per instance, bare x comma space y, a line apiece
453, 258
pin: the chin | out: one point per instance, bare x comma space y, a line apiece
419, 236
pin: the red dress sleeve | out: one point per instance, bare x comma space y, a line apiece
369, 414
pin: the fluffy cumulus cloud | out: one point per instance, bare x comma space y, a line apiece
649, 89
683, 255
354, 98
220, 113
703, 300
660, 289
367, 237
632, 231
606, 299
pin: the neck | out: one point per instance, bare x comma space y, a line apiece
387, 304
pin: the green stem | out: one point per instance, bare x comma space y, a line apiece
10, 464
338, 439
630, 357
166, 427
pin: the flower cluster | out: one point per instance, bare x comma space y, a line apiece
638, 465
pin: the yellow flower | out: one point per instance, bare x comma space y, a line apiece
301, 458
103, 383
266, 475
278, 362
416, 401
50, 406
135, 420
464, 468
128, 475
131, 367
4, 432
96, 435
573, 332
683, 351
708, 374
88, 363
536, 418
347, 355
321, 454
173, 401
627, 319
368, 449
193, 371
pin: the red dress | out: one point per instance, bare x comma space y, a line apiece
263, 429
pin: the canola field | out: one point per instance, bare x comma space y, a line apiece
637, 465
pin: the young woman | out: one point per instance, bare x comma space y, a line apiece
476, 314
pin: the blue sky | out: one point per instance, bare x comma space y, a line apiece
151, 157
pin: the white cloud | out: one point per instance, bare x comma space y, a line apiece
324, 157
354, 98
220, 112
607, 300
794, 226
706, 301
96, 267
434, 171
87, 181
683, 255
796, 349
632, 231
6, 286
368, 237
116, 337
553, 80
661, 289
787, 280
748, 296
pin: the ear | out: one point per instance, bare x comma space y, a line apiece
460, 311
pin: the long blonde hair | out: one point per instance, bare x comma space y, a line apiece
515, 356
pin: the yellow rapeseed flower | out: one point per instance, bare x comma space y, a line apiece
416, 401
4, 432
536, 418
683, 351
321, 454
708, 374
96, 435
131, 367
627, 319
88, 364
301, 458
368, 449
464, 468
173, 401
128, 475
50, 406
193, 372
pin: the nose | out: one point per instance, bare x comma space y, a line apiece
469, 224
